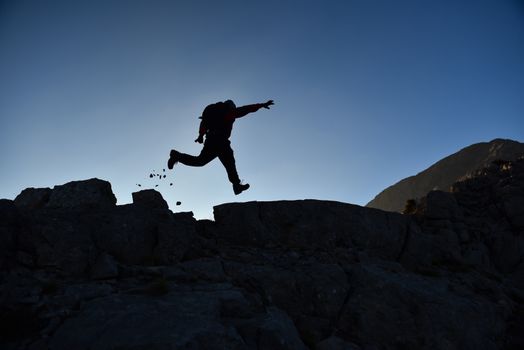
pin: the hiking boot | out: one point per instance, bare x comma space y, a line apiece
173, 159
239, 188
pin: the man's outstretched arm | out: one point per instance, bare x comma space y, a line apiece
242, 111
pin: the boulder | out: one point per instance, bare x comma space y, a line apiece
33, 198
311, 224
92, 193
149, 199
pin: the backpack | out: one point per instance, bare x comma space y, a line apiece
214, 116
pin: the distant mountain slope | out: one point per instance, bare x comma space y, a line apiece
445, 172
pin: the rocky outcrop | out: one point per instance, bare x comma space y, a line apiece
310, 223
93, 193
33, 198
149, 199
441, 175
302, 274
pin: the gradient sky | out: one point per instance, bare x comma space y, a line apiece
366, 92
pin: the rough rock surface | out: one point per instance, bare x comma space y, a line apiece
149, 199
442, 174
33, 198
92, 193
266, 275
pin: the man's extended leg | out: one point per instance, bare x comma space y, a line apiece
228, 160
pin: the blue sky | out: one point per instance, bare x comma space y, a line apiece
366, 92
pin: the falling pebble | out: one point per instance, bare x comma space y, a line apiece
178, 203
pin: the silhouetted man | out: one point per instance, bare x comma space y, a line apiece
216, 125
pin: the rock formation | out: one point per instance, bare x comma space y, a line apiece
303, 274
441, 175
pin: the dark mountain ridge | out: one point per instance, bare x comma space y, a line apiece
79, 272
442, 174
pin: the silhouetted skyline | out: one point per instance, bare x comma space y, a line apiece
367, 92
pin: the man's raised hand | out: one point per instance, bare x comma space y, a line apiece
267, 104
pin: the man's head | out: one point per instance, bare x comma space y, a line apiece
230, 104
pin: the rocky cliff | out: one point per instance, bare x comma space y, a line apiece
441, 175
79, 272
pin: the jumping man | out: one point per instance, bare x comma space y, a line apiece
216, 125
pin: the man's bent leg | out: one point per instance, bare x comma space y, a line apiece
205, 156
228, 160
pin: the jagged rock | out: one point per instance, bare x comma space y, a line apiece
92, 193
474, 225
149, 199
33, 198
